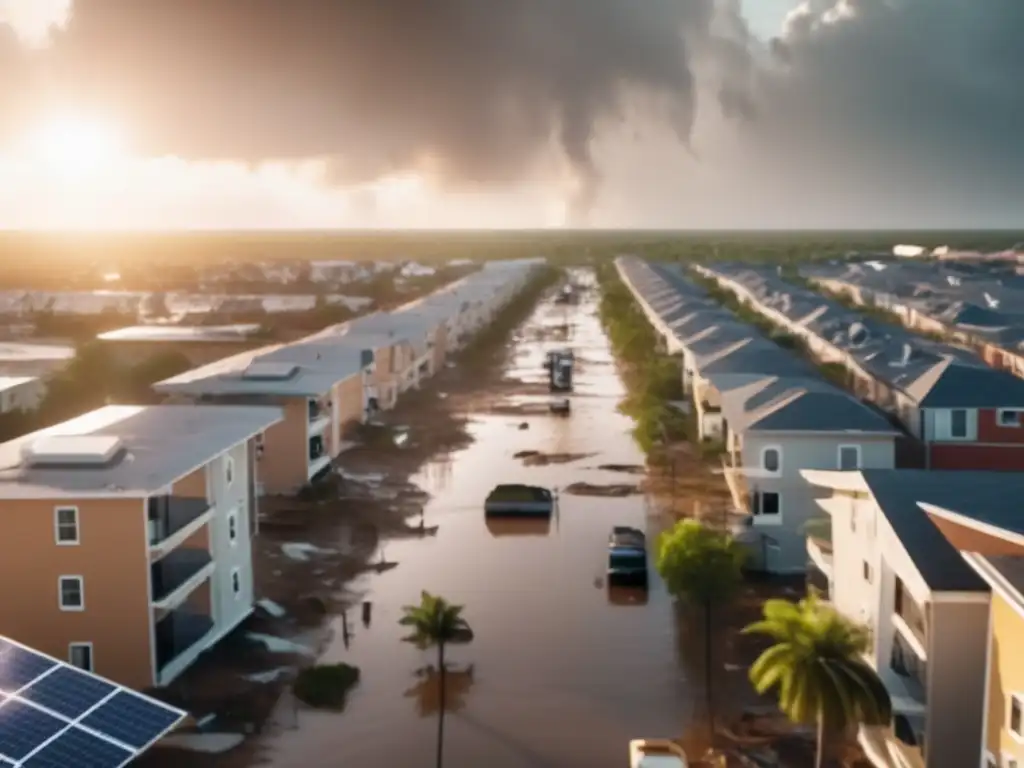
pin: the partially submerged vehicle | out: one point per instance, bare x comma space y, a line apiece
513, 499
560, 406
656, 753
627, 557
560, 371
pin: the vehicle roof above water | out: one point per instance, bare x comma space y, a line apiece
627, 539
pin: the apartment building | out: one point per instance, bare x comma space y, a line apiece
891, 558
323, 389
965, 414
128, 534
770, 408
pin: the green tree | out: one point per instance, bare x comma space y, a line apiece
436, 623
817, 668
702, 567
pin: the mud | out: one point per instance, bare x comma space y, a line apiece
611, 489
542, 459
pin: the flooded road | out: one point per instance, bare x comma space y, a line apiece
563, 673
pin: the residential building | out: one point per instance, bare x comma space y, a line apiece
886, 560
128, 534
21, 393
965, 414
325, 391
774, 414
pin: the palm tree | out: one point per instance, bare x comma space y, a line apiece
435, 623
703, 567
818, 669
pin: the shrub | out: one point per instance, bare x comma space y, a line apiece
326, 686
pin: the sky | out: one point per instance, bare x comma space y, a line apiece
705, 114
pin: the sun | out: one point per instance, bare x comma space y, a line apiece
76, 144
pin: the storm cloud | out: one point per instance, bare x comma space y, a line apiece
860, 113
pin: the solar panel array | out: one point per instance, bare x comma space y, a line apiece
53, 715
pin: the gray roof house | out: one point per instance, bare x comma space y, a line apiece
886, 561
966, 414
773, 412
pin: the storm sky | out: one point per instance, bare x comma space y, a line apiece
655, 113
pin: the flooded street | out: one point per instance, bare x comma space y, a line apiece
561, 672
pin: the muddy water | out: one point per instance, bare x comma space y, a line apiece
563, 673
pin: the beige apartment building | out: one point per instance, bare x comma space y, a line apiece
323, 389
127, 531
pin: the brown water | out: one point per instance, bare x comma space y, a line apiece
563, 673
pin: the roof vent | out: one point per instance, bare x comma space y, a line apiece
268, 371
72, 451
858, 333
906, 355
993, 303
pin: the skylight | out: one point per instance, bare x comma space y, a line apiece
72, 450
269, 371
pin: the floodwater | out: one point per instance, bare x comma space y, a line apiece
561, 672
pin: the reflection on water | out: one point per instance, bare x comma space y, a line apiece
426, 693
620, 595
561, 675
504, 525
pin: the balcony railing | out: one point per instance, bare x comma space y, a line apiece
169, 514
175, 570
911, 613
819, 530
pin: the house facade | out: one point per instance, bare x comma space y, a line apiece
893, 565
21, 393
129, 536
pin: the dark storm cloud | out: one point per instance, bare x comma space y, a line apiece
472, 87
905, 105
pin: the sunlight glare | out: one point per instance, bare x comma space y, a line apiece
76, 145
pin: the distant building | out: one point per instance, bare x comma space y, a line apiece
199, 343
20, 393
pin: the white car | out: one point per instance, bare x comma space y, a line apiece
656, 753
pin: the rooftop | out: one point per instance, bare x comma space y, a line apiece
10, 382
124, 450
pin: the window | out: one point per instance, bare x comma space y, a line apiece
1009, 761
867, 572
958, 423
1008, 417
80, 655
72, 593
768, 505
236, 582
232, 526
66, 522
1016, 725
771, 459
229, 470
849, 457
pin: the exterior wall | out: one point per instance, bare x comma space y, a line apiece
797, 496
979, 457
1005, 676
24, 397
347, 405
989, 430
957, 641
230, 499
285, 450
113, 560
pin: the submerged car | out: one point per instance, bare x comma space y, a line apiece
627, 556
656, 753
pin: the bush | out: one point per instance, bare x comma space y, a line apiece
326, 686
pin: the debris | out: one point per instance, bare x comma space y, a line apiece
629, 469
271, 608
524, 425
589, 489
302, 551
207, 743
369, 478
269, 676
279, 644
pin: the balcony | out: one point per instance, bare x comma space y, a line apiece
736, 479
172, 519
318, 458
819, 544
180, 637
177, 575
909, 620
319, 417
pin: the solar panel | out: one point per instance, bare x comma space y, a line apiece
53, 715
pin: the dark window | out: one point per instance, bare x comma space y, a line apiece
770, 459
768, 504
867, 572
81, 656
958, 422
1015, 714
